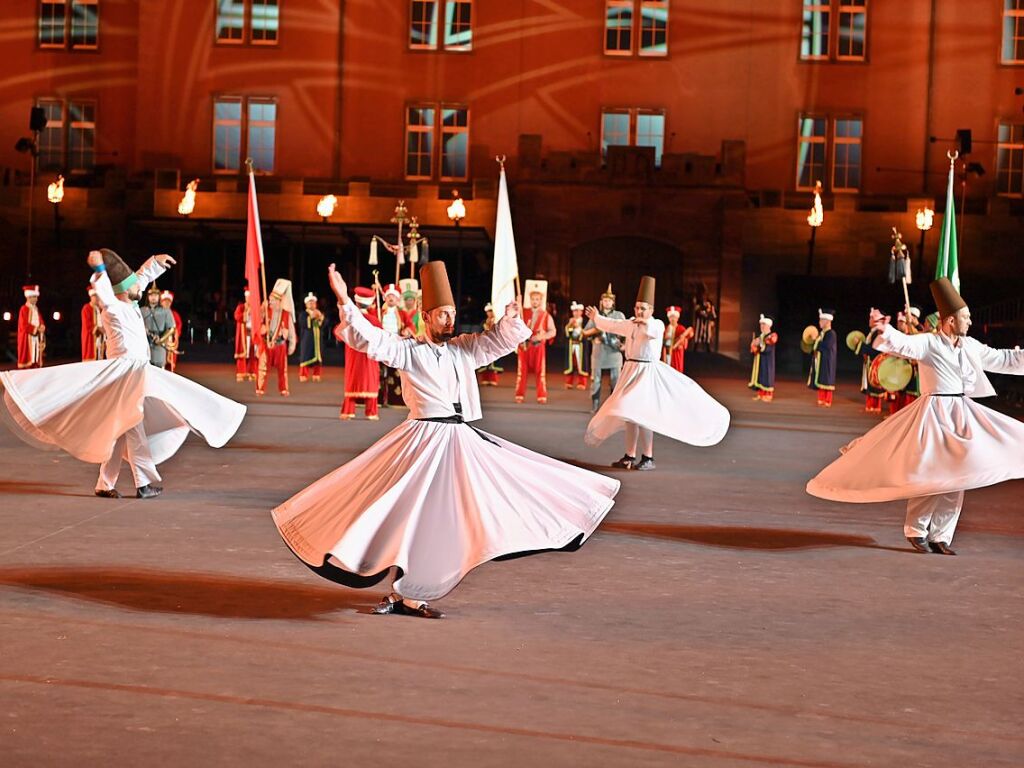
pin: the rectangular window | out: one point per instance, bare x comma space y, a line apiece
852, 29
846, 155
419, 142
614, 129
263, 26
81, 135
633, 127
227, 135
230, 21
456, 31
454, 143
834, 30
69, 23
423, 24
1013, 31
1010, 160
814, 37
810, 151
51, 23
650, 132
458, 27
85, 23
654, 27
618, 27
248, 21
51, 138
261, 133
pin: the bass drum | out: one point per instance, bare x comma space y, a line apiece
890, 373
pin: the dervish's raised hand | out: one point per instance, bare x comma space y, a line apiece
338, 284
95, 259
512, 308
591, 313
164, 260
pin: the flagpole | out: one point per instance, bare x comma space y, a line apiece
263, 268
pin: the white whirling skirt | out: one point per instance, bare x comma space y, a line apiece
935, 445
437, 500
656, 396
83, 408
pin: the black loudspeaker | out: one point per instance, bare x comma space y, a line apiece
37, 119
963, 139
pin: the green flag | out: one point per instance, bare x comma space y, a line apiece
947, 264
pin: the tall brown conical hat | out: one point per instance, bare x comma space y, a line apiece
437, 291
947, 298
117, 270
646, 292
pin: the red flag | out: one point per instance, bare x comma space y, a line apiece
253, 267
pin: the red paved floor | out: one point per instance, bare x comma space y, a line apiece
721, 617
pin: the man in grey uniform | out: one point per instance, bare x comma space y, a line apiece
607, 349
159, 323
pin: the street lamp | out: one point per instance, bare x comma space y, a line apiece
456, 213
188, 200
923, 218
55, 193
325, 207
814, 220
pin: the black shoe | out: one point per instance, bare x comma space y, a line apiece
386, 606
111, 494
423, 610
626, 462
919, 543
148, 492
645, 464
940, 548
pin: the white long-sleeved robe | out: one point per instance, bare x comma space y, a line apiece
438, 499
944, 441
652, 394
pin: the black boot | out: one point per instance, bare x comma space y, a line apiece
940, 548
919, 543
148, 492
626, 462
646, 464
111, 494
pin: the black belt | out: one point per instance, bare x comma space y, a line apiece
456, 418
634, 360
947, 394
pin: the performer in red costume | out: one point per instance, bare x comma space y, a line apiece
280, 334
93, 340
362, 375
31, 330
532, 353
677, 339
245, 350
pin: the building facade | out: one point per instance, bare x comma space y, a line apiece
674, 137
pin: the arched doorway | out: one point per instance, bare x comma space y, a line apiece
622, 261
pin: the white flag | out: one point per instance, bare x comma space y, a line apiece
506, 266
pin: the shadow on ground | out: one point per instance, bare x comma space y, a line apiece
17, 488
745, 538
205, 594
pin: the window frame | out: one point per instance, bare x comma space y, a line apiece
823, 140
829, 141
633, 115
1013, 147
215, 122
837, 12
247, 27
61, 148
249, 123
428, 128
72, 125
441, 135
440, 28
639, 29
67, 25
628, 50
1007, 13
